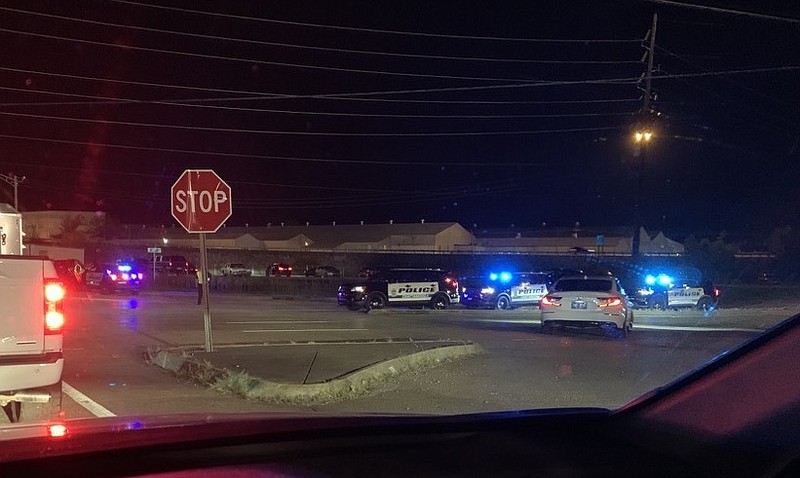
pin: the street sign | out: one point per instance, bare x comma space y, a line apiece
154, 250
200, 201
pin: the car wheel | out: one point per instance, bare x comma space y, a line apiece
440, 302
375, 300
503, 303
705, 303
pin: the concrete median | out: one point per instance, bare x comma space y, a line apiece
224, 375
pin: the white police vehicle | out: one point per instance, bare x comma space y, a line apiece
505, 290
665, 292
432, 288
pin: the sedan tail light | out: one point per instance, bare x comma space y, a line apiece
609, 302
550, 300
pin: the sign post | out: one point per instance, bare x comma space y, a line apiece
154, 251
201, 203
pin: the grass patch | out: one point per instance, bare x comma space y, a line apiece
238, 383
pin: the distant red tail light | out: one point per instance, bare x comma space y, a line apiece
715, 292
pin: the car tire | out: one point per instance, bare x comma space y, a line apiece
375, 300
704, 303
503, 303
440, 302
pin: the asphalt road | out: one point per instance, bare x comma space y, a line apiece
106, 337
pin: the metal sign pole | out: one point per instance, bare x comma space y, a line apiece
206, 302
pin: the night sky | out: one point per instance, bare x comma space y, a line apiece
485, 113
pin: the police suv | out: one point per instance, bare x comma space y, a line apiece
433, 288
664, 292
505, 290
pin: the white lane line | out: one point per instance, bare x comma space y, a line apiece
303, 330
687, 328
280, 322
506, 321
95, 408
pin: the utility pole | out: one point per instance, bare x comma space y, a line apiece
643, 135
14, 180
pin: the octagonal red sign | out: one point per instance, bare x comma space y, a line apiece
201, 201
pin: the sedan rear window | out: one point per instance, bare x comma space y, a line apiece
583, 285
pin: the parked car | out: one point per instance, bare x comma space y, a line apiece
504, 290
235, 269
433, 288
322, 271
175, 265
278, 269
110, 278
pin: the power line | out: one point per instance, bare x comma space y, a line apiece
110, 100
760, 16
263, 157
266, 96
256, 61
297, 133
182, 102
375, 30
323, 49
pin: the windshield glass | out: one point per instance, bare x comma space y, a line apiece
588, 285
309, 193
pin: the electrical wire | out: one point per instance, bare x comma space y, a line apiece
252, 61
318, 48
303, 133
760, 16
375, 30
109, 100
265, 157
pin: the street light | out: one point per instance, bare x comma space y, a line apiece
641, 137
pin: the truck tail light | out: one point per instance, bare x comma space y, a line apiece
54, 293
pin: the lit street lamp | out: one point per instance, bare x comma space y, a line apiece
642, 138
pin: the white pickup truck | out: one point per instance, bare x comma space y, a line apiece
31, 326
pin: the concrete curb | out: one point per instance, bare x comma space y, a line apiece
350, 386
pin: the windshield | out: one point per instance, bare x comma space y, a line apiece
587, 285
256, 163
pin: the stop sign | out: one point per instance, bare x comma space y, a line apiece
201, 200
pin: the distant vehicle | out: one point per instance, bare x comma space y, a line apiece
433, 288
110, 278
235, 269
176, 265
366, 271
504, 290
587, 301
70, 273
322, 271
278, 269
665, 292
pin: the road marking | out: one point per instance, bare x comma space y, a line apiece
280, 322
318, 344
506, 321
303, 330
687, 328
95, 408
